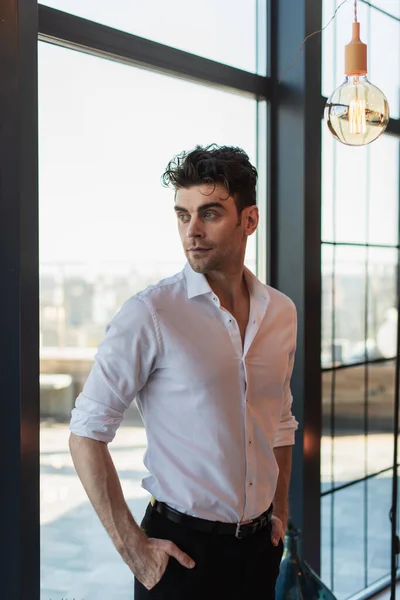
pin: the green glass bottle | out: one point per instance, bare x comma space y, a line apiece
297, 580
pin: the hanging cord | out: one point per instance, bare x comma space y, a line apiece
315, 33
355, 11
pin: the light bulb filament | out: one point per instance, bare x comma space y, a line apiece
357, 120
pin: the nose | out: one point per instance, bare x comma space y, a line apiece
195, 229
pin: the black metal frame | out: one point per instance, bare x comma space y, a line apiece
294, 236
19, 302
341, 367
295, 198
73, 32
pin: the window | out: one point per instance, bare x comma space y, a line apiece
360, 198
107, 229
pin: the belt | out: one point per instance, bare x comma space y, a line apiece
239, 530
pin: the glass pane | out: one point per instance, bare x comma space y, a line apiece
328, 179
383, 191
380, 441
327, 551
344, 278
77, 558
109, 128
327, 273
382, 35
107, 230
360, 190
328, 427
358, 538
379, 526
343, 333
345, 425
344, 191
390, 6
222, 30
382, 303
349, 541
343, 428
349, 304
383, 41
349, 425
358, 552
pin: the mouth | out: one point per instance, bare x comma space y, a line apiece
199, 250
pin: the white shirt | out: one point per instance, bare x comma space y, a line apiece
213, 409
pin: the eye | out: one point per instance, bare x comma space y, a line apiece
183, 217
209, 215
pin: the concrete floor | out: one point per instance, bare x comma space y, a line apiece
79, 562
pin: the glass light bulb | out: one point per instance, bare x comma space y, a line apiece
357, 112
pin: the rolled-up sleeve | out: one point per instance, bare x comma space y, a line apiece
288, 423
124, 361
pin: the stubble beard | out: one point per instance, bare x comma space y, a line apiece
218, 260
206, 265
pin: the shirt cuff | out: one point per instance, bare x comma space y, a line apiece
101, 429
285, 435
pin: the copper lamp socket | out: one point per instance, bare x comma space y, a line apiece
356, 54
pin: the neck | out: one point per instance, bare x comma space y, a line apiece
230, 287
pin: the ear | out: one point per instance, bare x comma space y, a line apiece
251, 219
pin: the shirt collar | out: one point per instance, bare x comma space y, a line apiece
256, 289
197, 285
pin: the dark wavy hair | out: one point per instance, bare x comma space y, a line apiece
214, 164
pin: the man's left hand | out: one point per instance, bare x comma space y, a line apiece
277, 531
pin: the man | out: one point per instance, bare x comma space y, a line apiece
208, 354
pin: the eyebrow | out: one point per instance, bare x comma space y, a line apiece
201, 208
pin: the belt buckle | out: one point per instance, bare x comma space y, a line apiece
238, 531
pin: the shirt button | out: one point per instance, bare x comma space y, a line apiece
250, 442
251, 483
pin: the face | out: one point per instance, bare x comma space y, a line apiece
213, 235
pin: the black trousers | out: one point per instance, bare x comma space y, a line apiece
226, 568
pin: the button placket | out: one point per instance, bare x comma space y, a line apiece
234, 332
250, 501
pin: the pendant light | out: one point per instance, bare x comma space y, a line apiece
357, 112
